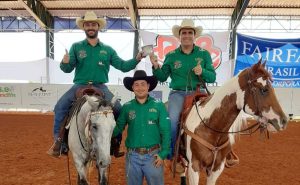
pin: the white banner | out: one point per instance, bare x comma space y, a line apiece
10, 96
217, 43
39, 96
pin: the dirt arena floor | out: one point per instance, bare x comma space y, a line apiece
25, 138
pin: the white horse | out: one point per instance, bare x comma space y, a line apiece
91, 128
207, 124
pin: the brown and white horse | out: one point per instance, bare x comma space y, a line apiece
207, 147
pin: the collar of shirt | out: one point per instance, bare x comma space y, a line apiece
148, 99
98, 43
180, 50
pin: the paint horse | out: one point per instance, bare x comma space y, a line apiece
208, 123
91, 127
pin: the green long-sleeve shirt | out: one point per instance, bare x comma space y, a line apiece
179, 65
92, 63
148, 125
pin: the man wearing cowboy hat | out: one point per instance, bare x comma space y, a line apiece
148, 133
183, 65
91, 60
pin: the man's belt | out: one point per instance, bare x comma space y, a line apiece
144, 151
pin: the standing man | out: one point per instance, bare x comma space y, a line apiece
91, 60
184, 65
148, 132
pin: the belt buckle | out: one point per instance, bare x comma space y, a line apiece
143, 151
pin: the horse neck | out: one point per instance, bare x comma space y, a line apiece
225, 105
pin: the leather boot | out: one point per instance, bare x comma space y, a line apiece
55, 150
115, 148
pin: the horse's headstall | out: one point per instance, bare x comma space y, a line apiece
105, 112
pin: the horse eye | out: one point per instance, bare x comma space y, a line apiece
264, 90
94, 127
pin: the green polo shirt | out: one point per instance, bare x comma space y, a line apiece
148, 125
179, 65
92, 63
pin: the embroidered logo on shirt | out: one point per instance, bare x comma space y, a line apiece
103, 52
131, 115
152, 110
100, 63
177, 64
82, 54
150, 122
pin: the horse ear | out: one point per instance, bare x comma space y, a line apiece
256, 66
259, 62
264, 63
93, 102
115, 99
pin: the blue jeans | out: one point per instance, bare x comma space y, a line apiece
139, 166
175, 104
63, 105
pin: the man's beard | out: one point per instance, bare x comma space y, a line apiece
91, 36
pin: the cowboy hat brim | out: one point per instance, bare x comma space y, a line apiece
128, 82
176, 29
101, 22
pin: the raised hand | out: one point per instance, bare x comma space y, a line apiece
158, 161
198, 69
66, 58
154, 61
139, 56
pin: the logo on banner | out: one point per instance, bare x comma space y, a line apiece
7, 92
165, 44
40, 92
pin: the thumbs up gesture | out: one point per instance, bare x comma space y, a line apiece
66, 58
198, 69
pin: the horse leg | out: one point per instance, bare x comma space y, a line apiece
102, 176
81, 181
212, 178
81, 170
193, 176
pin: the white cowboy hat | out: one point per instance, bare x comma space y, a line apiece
91, 17
187, 23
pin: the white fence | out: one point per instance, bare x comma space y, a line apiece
44, 97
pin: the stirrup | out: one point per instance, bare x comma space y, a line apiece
231, 160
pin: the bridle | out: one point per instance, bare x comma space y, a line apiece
253, 91
88, 124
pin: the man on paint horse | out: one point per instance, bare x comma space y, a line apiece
186, 66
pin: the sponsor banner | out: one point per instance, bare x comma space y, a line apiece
10, 96
217, 43
282, 57
39, 96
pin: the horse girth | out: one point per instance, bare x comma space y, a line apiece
204, 142
212, 148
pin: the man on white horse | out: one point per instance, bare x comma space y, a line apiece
91, 60
148, 133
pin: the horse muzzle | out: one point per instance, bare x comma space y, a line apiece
278, 124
